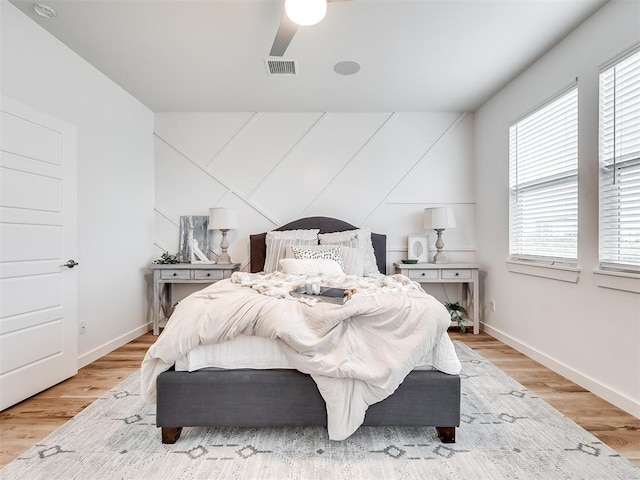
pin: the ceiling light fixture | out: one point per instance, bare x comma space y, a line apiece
305, 12
44, 10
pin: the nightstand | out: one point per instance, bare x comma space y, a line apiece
466, 274
165, 275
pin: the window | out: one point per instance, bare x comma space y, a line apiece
620, 165
543, 157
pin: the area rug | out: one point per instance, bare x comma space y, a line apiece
506, 432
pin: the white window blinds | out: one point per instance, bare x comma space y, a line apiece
543, 157
620, 164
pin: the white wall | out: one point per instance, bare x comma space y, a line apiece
377, 170
115, 176
588, 333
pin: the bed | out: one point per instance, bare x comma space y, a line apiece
246, 397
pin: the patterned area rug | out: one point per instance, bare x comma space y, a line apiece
506, 433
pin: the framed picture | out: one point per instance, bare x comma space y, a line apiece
199, 224
418, 249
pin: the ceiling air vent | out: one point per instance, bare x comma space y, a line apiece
282, 68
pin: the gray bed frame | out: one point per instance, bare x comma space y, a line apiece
281, 397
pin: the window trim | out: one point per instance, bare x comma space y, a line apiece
618, 280
553, 271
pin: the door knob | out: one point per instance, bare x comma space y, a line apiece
70, 264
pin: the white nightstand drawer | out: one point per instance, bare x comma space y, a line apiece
212, 275
456, 274
181, 274
421, 274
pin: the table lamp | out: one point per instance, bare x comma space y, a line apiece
439, 219
223, 219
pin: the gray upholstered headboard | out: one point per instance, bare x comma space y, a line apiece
326, 225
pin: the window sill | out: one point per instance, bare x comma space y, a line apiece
555, 272
628, 282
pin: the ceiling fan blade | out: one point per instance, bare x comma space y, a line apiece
284, 35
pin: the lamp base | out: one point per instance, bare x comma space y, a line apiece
224, 258
440, 257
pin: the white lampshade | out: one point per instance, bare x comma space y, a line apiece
305, 12
439, 217
221, 218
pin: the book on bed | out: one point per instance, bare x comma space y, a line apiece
325, 294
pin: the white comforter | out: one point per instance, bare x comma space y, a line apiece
357, 353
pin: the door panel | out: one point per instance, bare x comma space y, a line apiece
29, 242
29, 320
44, 341
18, 191
31, 139
31, 293
38, 307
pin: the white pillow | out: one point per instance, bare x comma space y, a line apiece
360, 239
315, 266
276, 242
351, 262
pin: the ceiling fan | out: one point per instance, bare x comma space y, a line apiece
297, 13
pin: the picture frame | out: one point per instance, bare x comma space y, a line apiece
418, 249
199, 224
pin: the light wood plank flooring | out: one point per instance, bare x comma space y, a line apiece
23, 425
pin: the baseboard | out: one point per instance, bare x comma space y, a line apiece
616, 398
102, 350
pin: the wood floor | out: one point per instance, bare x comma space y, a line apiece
25, 424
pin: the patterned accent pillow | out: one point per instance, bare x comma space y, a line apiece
351, 261
277, 241
360, 239
334, 254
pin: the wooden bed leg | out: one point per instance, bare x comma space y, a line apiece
171, 434
447, 434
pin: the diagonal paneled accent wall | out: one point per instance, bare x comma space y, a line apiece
377, 170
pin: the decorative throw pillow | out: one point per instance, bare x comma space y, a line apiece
351, 261
314, 266
332, 253
276, 242
360, 239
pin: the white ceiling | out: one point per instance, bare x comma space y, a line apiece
209, 55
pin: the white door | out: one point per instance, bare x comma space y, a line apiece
38, 295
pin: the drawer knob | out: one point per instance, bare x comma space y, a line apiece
457, 273
175, 274
422, 274
208, 274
